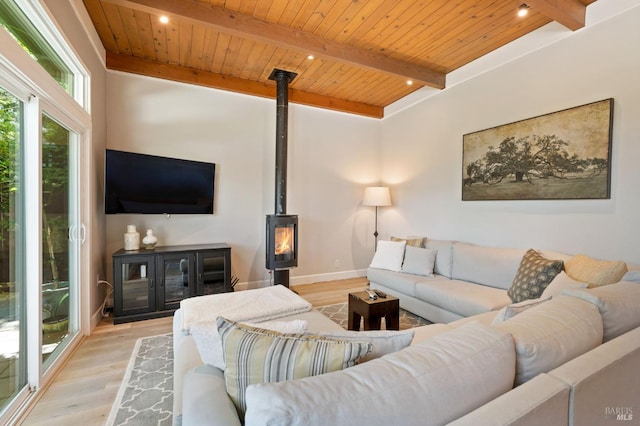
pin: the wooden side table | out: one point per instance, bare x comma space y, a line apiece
360, 306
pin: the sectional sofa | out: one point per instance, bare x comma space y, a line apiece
571, 358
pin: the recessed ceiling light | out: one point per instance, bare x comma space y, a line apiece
409, 82
164, 19
523, 10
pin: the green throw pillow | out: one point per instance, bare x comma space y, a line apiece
534, 275
254, 355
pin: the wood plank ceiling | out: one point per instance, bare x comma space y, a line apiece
364, 51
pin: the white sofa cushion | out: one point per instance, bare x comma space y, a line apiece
619, 305
553, 333
419, 261
514, 309
461, 297
413, 386
389, 255
495, 267
561, 282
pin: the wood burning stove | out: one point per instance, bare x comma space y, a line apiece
282, 229
282, 241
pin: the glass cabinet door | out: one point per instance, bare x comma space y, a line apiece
137, 291
214, 271
175, 276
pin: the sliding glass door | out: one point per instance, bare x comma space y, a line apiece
60, 237
42, 129
13, 359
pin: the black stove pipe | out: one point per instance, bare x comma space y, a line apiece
282, 79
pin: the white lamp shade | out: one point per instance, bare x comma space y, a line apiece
376, 196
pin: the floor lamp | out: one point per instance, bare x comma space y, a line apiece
376, 196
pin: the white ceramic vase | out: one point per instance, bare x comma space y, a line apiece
131, 238
149, 240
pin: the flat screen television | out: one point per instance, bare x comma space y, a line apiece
149, 184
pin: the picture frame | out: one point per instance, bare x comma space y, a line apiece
563, 155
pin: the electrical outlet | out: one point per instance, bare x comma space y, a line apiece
336, 263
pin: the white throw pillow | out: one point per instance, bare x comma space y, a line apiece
382, 342
514, 309
209, 343
562, 281
419, 261
389, 255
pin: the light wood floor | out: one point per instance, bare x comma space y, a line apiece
86, 387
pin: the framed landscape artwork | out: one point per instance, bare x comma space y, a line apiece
561, 155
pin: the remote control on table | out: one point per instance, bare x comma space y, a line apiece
380, 293
372, 294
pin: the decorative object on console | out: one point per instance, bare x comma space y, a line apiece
150, 240
376, 196
561, 155
131, 238
533, 276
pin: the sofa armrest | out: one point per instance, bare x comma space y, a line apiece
543, 400
205, 400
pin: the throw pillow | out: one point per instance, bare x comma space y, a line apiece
382, 342
254, 355
209, 344
389, 255
419, 261
593, 271
514, 309
533, 276
561, 282
413, 242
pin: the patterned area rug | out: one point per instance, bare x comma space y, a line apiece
146, 393
338, 313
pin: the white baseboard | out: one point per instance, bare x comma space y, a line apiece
95, 319
306, 279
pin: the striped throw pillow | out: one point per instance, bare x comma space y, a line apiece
254, 355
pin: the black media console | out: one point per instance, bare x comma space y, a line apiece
151, 283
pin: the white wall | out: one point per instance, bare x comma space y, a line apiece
332, 156
422, 148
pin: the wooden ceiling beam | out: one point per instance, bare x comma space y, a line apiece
134, 65
230, 22
570, 13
